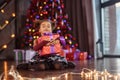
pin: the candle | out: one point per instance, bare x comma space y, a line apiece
66, 76
5, 70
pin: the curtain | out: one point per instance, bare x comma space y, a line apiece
80, 15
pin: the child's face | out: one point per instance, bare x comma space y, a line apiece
45, 27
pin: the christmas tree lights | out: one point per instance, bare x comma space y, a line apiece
53, 10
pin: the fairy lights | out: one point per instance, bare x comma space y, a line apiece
85, 74
2, 11
4, 46
12, 35
13, 14
6, 22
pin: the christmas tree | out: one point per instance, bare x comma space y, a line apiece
53, 10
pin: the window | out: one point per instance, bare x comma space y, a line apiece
104, 1
111, 27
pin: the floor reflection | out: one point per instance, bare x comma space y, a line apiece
110, 64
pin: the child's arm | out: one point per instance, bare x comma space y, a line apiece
55, 41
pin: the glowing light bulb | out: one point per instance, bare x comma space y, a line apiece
6, 21
40, 7
5, 46
34, 37
12, 35
44, 2
66, 37
41, 14
33, 30
13, 14
2, 11
54, 19
29, 30
70, 42
30, 44
58, 27
37, 36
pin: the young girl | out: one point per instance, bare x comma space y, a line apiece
48, 42
50, 50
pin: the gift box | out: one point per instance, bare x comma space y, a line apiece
70, 53
29, 54
70, 56
19, 54
47, 49
83, 55
76, 54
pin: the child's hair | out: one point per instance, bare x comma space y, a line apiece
38, 23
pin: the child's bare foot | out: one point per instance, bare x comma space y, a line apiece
58, 66
41, 66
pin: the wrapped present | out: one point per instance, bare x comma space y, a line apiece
70, 53
83, 55
29, 54
70, 56
19, 54
76, 54
47, 49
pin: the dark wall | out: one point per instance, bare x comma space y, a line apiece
5, 33
16, 26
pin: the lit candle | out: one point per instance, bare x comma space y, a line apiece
5, 70
66, 76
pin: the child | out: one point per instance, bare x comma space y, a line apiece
49, 47
48, 42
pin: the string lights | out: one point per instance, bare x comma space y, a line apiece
85, 74
4, 4
7, 21
4, 46
2, 11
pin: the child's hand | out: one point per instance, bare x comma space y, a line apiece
48, 40
53, 42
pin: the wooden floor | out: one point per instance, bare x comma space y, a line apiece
111, 64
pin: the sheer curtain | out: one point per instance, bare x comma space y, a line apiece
80, 14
